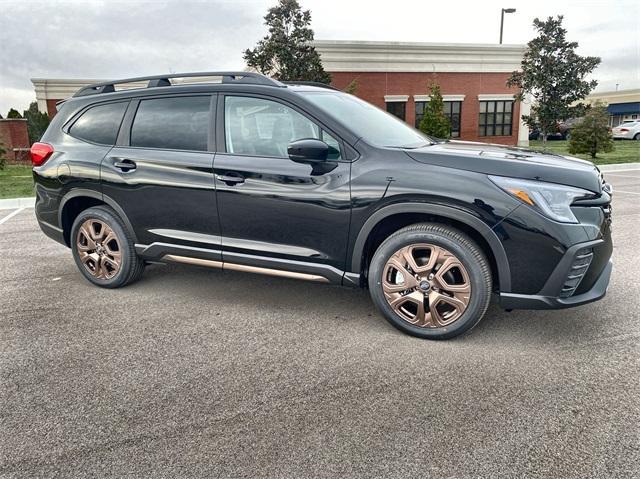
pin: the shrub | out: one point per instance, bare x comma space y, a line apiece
592, 135
434, 122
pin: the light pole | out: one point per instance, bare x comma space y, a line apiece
504, 10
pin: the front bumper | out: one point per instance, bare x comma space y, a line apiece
581, 277
526, 301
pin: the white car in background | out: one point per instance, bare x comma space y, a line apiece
627, 130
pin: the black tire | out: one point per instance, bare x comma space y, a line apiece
131, 266
636, 137
459, 245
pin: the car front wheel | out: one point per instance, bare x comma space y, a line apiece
430, 281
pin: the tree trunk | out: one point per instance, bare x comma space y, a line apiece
544, 139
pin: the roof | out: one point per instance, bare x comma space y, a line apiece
611, 97
366, 56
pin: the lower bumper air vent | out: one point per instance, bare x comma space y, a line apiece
579, 267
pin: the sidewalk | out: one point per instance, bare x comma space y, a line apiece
13, 203
620, 167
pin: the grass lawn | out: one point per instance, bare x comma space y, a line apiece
625, 151
16, 181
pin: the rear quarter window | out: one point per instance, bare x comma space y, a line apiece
99, 124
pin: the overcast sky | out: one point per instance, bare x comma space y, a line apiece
116, 38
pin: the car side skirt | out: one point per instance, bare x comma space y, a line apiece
168, 252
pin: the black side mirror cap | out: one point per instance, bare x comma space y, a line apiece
308, 150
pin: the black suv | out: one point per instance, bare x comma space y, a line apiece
307, 182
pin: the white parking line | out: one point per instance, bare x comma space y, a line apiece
626, 192
10, 215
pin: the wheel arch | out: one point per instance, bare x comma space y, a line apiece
391, 218
76, 201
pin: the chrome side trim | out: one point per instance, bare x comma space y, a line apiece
244, 268
275, 272
187, 236
190, 260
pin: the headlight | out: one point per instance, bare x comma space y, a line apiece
553, 201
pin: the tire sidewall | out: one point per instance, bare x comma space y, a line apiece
126, 247
479, 290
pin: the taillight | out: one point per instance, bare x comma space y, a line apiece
623, 130
40, 152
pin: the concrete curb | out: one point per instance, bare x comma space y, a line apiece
14, 203
620, 166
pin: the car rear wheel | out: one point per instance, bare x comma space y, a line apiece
636, 137
430, 281
103, 248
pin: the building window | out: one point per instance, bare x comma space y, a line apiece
495, 118
451, 110
397, 108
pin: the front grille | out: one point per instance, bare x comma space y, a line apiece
579, 267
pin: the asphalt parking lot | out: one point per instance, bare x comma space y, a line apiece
200, 373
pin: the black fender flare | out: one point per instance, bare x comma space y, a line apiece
504, 272
75, 193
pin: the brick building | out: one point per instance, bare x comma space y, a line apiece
14, 137
395, 75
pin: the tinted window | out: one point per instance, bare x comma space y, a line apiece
254, 126
100, 124
179, 123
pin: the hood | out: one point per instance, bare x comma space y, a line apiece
510, 161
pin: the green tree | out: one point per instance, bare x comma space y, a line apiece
286, 53
434, 122
351, 87
3, 159
13, 113
37, 122
554, 75
592, 135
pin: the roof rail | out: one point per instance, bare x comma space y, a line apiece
311, 83
244, 78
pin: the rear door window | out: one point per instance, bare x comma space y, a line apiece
174, 123
100, 124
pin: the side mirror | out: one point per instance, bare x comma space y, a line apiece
308, 150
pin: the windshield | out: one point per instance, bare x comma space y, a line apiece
370, 123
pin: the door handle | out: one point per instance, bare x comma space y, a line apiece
230, 179
124, 164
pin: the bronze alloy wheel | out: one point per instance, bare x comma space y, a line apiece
426, 285
99, 249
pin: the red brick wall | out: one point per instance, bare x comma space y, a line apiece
51, 108
373, 86
13, 134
